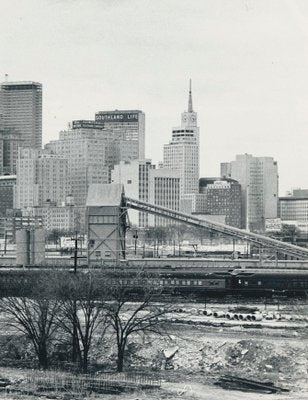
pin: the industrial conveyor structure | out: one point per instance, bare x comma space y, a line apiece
107, 223
259, 240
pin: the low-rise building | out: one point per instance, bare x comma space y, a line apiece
293, 208
10, 142
61, 218
7, 192
7, 195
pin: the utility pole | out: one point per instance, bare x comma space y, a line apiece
233, 249
135, 237
75, 337
75, 253
5, 242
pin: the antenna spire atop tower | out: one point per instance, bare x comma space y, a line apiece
190, 105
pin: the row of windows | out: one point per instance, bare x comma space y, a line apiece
166, 282
294, 283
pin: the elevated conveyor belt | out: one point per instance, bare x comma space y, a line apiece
260, 240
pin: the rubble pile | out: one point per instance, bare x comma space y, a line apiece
253, 358
192, 351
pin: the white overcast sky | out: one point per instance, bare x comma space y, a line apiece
248, 60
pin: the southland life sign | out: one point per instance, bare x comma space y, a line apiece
120, 116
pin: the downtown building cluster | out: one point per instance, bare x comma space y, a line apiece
50, 185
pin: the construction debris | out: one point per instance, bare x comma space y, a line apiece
170, 352
248, 385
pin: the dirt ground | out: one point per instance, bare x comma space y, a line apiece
193, 356
177, 390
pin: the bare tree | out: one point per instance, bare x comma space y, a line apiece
143, 316
34, 315
81, 311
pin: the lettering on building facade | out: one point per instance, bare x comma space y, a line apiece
122, 117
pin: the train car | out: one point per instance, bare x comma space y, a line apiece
199, 283
270, 282
254, 283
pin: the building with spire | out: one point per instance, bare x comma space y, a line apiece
182, 152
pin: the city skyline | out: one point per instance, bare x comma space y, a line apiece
249, 82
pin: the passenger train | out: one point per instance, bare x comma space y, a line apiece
201, 282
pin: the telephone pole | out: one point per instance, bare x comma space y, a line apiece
75, 336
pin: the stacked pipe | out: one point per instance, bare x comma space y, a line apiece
244, 317
219, 314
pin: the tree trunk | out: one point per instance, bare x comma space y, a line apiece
43, 357
120, 360
85, 361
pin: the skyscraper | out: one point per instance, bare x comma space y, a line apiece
258, 177
182, 152
21, 110
26, 184
89, 150
164, 191
128, 126
42, 178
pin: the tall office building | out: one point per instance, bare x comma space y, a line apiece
52, 178
128, 127
182, 152
42, 178
26, 185
258, 177
164, 191
21, 110
134, 176
90, 152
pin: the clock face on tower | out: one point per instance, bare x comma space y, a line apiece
193, 118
